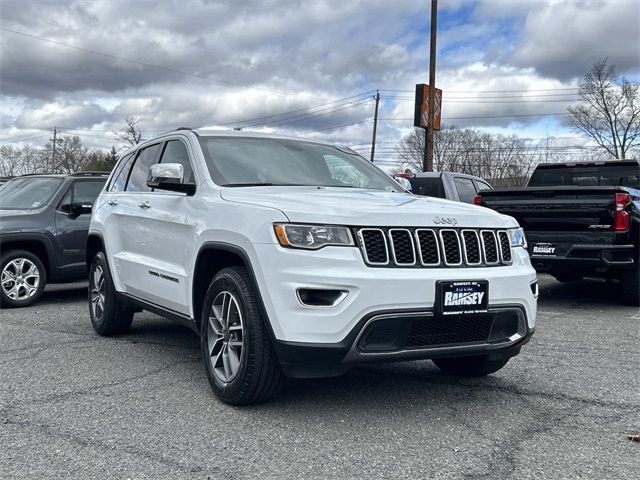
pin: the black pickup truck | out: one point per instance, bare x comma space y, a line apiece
581, 220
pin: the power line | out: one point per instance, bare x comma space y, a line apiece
149, 65
493, 91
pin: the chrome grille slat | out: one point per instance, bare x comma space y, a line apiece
433, 247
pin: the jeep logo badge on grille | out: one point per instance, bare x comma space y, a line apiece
445, 221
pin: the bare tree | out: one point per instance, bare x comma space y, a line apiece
610, 110
131, 134
504, 160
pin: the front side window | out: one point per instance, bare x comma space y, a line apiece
28, 193
245, 161
81, 192
466, 190
140, 171
176, 152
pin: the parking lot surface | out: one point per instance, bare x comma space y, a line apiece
75, 405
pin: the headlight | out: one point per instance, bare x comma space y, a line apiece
312, 237
517, 237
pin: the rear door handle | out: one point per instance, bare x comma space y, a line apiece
144, 205
113, 202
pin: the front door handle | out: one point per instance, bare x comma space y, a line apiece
113, 202
144, 205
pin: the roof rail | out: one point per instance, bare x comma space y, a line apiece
184, 128
89, 173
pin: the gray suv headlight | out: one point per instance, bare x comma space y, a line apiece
312, 237
517, 237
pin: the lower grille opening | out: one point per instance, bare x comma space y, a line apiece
423, 331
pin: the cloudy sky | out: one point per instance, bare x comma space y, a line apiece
308, 67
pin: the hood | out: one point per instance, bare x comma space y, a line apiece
18, 220
346, 206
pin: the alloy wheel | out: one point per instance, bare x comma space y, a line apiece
97, 293
20, 279
225, 336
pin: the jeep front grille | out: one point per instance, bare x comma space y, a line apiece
433, 247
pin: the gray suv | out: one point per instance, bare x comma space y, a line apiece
44, 220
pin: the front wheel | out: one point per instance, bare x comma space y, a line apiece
240, 363
109, 316
22, 278
470, 366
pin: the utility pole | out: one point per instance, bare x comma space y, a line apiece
375, 126
428, 148
53, 151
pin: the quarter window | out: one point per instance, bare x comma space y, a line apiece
120, 177
140, 171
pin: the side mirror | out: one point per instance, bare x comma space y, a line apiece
77, 209
169, 176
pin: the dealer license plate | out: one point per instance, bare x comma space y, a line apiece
544, 249
465, 297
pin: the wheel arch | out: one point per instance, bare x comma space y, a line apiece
213, 257
38, 245
95, 244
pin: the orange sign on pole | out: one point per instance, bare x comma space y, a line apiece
421, 113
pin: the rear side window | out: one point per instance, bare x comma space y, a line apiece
81, 192
121, 174
430, 187
140, 171
176, 152
464, 187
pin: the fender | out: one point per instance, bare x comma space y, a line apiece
228, 247
40, 238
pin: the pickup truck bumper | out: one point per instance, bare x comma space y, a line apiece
581, 259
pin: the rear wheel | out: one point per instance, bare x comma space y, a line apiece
470, 366
109, 316
22, 278
241, 365
630, 286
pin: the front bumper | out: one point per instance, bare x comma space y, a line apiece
281, 272
402, 335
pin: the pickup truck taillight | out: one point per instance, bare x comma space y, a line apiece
477, 200
620, 215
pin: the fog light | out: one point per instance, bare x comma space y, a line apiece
317, 297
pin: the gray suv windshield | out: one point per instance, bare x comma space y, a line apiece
28, 193
245, 161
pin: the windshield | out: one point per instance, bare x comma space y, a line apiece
28, 193
592, 176
244, 161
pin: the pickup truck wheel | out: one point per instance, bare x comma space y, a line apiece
630, 285
241, 365
109, 316
470, 366
22, 278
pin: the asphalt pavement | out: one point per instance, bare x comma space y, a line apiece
75, 405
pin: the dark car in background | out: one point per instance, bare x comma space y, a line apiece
581, 220
459, 187
44, 220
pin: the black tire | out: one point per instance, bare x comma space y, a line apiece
470, 366
16, 284
115, 317
630, 286
258, 376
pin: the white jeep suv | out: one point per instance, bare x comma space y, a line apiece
298, 258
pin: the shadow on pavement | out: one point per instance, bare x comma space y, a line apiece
582, 292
